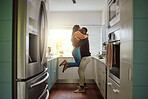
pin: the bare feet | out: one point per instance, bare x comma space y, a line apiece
63, 63
64, 68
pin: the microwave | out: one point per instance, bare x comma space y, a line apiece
113, 12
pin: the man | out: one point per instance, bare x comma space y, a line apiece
85, 55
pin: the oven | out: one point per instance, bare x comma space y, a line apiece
113, 12
114, 72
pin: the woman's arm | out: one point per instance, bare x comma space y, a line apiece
78, 35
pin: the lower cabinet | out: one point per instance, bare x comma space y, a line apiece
72, 73
113, 90
100, 76
68, 74
53, 72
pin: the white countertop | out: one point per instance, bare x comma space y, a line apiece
54, 57
101, 60
95, 57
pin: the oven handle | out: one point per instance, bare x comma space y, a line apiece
45, 91
41, 81
111, 2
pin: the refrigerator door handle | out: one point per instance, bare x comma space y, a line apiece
39, 82
47, 94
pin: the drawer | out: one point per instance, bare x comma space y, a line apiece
103, 92
115, 88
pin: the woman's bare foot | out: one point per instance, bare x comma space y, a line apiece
63, 63
64, 68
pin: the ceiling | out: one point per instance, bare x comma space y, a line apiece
81, 5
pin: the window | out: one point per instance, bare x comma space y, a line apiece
60, 42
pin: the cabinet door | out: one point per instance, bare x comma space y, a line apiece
101, 73
49, 65
68, 74
54, 70
95, 70
126, 80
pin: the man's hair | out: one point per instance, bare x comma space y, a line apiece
85, 29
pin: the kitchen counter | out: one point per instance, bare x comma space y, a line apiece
51, 58
54, 57
101, 60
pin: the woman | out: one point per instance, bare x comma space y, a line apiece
76, 37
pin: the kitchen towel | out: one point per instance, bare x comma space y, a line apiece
109, 55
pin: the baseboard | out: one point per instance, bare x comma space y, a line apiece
74, 81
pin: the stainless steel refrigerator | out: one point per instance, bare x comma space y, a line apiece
29, 49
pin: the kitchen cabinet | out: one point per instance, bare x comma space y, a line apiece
53, 72
100, 75
113, 90
124, 90
68, 74
71, 74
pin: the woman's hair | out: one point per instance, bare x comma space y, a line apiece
75, 28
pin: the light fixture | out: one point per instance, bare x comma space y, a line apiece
74, 1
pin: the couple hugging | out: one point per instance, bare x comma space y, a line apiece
80, 53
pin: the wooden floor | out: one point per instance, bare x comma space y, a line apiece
65, 91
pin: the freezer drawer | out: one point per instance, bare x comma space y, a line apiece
34, 88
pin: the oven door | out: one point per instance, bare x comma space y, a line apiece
35, 88
115, 70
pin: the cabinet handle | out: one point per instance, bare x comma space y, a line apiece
109, 84
116, 91
130, 75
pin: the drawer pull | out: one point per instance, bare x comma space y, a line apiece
130, 74
116, 91
109, 84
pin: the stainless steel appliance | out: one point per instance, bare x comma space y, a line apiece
29, 63
113, 12
114, 72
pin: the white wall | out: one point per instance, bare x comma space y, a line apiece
71, 18
91, 19
95, 39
